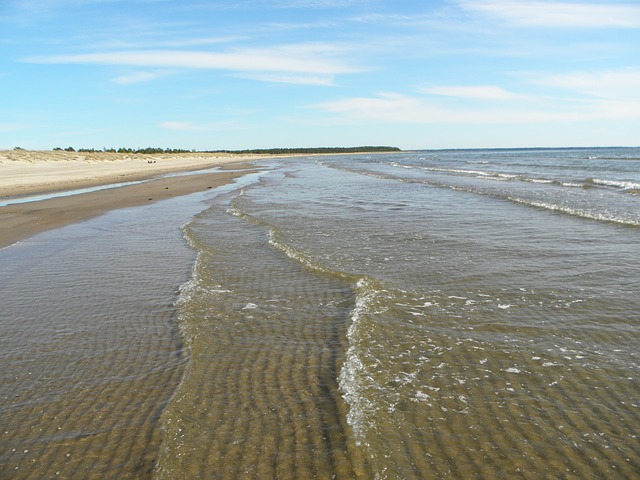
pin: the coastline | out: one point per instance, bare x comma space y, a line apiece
25, 172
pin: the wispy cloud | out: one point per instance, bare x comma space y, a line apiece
194, 127
558, 14
609, 94
621, 84
139, 77
178, 43
318, 80
406, 109
392, 19
384, 104
306, 59
313, 3
480, 92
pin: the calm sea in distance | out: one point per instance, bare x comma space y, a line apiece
431, 314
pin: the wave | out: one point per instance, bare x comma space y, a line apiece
605, 157
625, 185
360, 381
379, 376
354, 379
265, 334
276, 240
489, 175
603, 216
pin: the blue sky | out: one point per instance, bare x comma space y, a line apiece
234, 74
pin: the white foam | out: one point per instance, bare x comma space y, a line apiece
420, 396
353, 379
603, 217
626, 185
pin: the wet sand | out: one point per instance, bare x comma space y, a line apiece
23, 173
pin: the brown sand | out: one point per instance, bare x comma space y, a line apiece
23, 172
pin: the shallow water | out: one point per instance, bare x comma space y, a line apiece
463, 314
420, 315
90, 352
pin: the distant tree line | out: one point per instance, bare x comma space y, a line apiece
291, 151
257, 151
148, 150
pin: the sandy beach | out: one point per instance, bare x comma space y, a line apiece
24, 172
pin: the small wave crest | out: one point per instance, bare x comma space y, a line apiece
602, 216
625, 185
276, 240
486, 174
354, 379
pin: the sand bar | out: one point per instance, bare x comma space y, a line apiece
34, 172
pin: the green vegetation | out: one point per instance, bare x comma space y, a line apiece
150, 150
257, 151
313, 150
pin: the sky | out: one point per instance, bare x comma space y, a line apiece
239, 74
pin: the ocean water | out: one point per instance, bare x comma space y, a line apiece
449, 314
433, 314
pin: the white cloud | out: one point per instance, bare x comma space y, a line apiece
608, 94
619, 109
310, 3
193, 127
139, 77
622, 85
404, 109
318, 80
240, 61
559, 14
389, 108
479, 92
180, 43
301, 63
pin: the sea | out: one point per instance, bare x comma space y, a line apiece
409, 315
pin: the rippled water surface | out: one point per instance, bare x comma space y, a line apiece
420, 315
90, 353
449, 314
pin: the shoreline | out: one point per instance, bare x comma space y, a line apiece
25, 173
